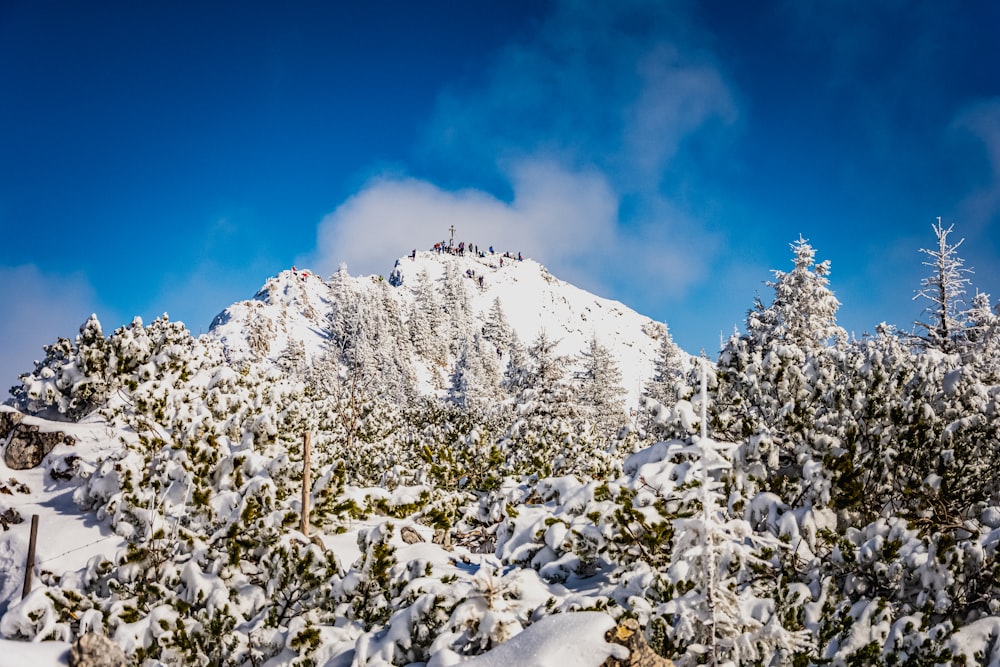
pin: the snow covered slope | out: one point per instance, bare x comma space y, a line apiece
295, 305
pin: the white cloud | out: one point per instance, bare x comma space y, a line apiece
675, 100
567, 220
38, 308
554, 216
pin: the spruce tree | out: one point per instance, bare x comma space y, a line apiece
668, 371
476, 379
426, 321
600, 393
778, 382
804, 309
496, 329
456, 305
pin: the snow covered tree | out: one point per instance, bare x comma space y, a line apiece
367, 336
668, 371
980, 342
515, 375
720, 610
39, 390
426, 321
456, 305
778, 389
496, 329
804, 309
600, 393
476, 379
549, 391
91, 388
944, 288
293, 359
73, 379
392, 349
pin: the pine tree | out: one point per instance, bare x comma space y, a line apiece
722, 575
38, 389
549, 392
515, 376
393, 352
981, 342
456, 305
778, 383
91, 384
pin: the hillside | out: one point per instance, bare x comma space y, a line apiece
296, 305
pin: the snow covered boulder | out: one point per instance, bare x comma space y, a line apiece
9, 418
28, 445
94, 650
628, 633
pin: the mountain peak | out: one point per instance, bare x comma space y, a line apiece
297, 304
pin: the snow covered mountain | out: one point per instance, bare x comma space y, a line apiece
297, 305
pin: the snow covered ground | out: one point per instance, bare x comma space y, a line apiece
68, 538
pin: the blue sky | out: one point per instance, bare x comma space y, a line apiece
169, 157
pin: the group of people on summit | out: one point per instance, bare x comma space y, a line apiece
463, 247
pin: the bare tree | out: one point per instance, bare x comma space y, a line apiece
945, 289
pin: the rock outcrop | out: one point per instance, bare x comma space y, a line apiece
28, 445
9, 418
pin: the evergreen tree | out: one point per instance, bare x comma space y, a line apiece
804, 309
90, 383
476, 379
456, 305
393, 352
778, 388
515, 376
668, 371
496, 329
426, 322
600, 393
548, 391
980, 342
38, 390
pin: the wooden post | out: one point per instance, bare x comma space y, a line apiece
29, 566
304, 527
